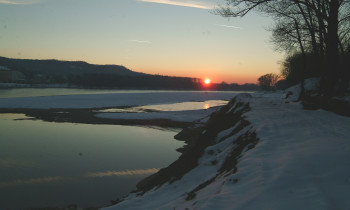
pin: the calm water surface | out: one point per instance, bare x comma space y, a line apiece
44, 164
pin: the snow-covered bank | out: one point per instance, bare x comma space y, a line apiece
111, 100
259, 152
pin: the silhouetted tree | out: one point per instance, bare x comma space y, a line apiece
320, 27
294, 69
268, 81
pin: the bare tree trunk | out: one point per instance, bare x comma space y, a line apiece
302, 91
309, 20
331, 76
321, 27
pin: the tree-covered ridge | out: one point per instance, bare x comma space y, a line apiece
82, 74
56, 67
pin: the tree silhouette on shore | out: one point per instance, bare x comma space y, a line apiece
317, 27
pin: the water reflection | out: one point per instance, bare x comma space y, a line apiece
183, 106
51, 164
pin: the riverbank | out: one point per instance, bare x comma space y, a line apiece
259, 152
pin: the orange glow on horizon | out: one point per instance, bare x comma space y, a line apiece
207, 81
216, 77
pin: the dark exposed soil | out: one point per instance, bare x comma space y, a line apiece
337, 106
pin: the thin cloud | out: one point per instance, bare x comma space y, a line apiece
122, 173
140, 41
227, 26
193, 4
32, 181
19, 2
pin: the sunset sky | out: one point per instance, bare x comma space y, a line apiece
167, 37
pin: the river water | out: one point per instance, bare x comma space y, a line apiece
47, 164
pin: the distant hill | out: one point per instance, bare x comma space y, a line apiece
56, 67
82, 74
85, 75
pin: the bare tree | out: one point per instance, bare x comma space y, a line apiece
268, 81
317, 26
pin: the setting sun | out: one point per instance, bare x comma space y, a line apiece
207, 81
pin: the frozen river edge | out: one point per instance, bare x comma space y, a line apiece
171, 119
85, 108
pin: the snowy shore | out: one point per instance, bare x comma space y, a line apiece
260, 152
